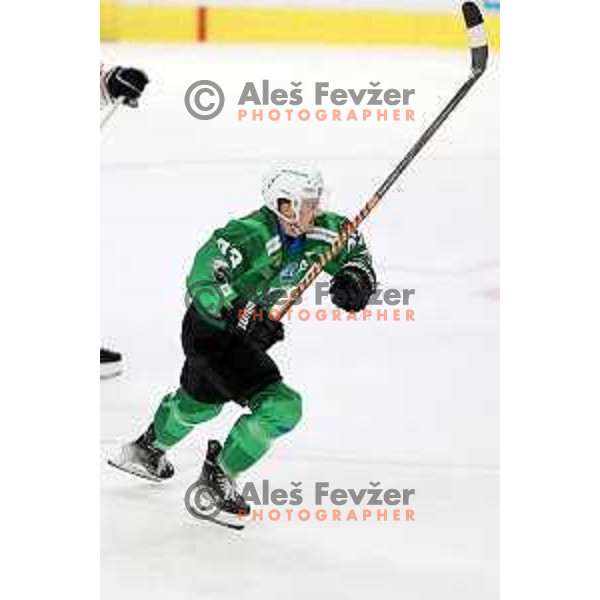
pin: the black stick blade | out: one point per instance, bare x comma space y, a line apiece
477, 36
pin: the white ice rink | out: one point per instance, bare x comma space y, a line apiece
413, 405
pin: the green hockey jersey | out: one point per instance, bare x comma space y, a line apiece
252, 259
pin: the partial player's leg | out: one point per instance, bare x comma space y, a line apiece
276, 410
177, 415
196, 401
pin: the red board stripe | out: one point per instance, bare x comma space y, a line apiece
201, 24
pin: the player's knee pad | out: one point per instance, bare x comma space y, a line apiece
280, 409
190, 411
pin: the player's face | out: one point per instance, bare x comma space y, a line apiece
308, 213
303, 221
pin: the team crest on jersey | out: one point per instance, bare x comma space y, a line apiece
290, 272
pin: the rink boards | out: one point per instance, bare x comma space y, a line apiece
275, 24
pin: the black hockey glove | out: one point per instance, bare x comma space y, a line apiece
252, 322
126, 82
352, 287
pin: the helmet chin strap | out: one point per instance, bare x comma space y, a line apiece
296, 228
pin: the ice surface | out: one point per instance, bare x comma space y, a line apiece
409, 404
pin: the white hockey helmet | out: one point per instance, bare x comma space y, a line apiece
294, 183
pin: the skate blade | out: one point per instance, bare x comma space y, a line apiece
224, 519
237, 525
132, 470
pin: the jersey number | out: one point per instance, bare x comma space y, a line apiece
233, 255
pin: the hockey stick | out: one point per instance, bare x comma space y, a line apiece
111, 111
479, 55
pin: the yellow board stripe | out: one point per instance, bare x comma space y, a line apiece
152, 24
109, 11
282, 25
286, 25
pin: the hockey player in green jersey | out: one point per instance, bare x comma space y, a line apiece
235, 280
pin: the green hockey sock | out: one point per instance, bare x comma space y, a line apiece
276, 409
177, 415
